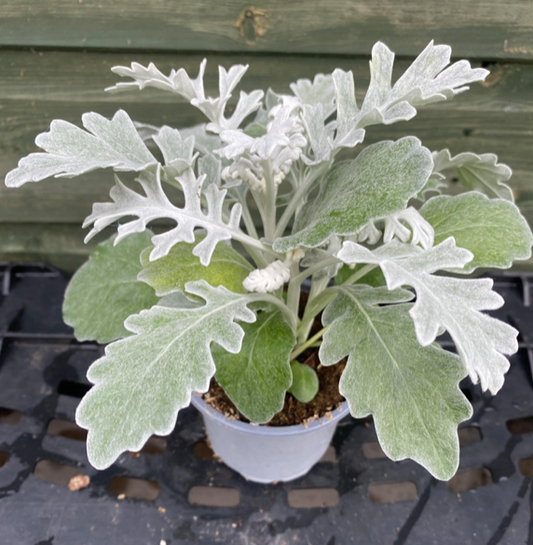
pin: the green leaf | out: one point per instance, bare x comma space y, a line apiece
304, 382
378, 183
143, 381
374, 278
257, 378
411, 391
170, 273
492, 229
105, 290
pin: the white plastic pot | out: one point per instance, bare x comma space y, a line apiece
266, 454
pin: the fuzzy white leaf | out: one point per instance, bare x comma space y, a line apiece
268, 279
480, 172
72, 151
319, 91
426, 80
143, 381
451, 303
212, 168
419, 231
317, 134
177, 82
248, 103
347, 111
155, 205
193, 90
177, 152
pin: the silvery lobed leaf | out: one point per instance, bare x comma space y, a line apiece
480, 172
177, 82
214, 108
319, 91
426, 80
248, 104
451, 303
193, 90
347, 111
257, 378
105, 291
171, 273
411, 391
492, 229
177, 153
71, 151
209, 165
144, 380
418, 230
378, 183
155, 205
318, 135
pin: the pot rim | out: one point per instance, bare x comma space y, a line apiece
270, 431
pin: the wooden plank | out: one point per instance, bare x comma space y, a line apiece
488, 29
77, 76
60, 245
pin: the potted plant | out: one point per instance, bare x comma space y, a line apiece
387, 266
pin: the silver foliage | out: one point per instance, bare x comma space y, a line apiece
426, 80
71, 151
478, 172
451, 303
155, 205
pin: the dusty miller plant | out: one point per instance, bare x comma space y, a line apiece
183, 305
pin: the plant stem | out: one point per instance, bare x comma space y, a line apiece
317, 287
314, 308
358, 275
291, 318
315, 268
248, 220
318, 304
293, 291
269, 219
303, 347
297, 199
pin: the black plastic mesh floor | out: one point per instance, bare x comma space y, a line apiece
174, 492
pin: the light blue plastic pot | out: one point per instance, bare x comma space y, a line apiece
266, 454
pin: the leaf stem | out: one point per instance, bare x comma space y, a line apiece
358, 275
303, 347
270, 202
293, 291
315, 268
297, 198
291, 318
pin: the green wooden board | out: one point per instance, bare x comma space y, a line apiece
489, 29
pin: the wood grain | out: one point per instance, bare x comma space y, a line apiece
476, 29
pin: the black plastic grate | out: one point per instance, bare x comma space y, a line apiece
175, 492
